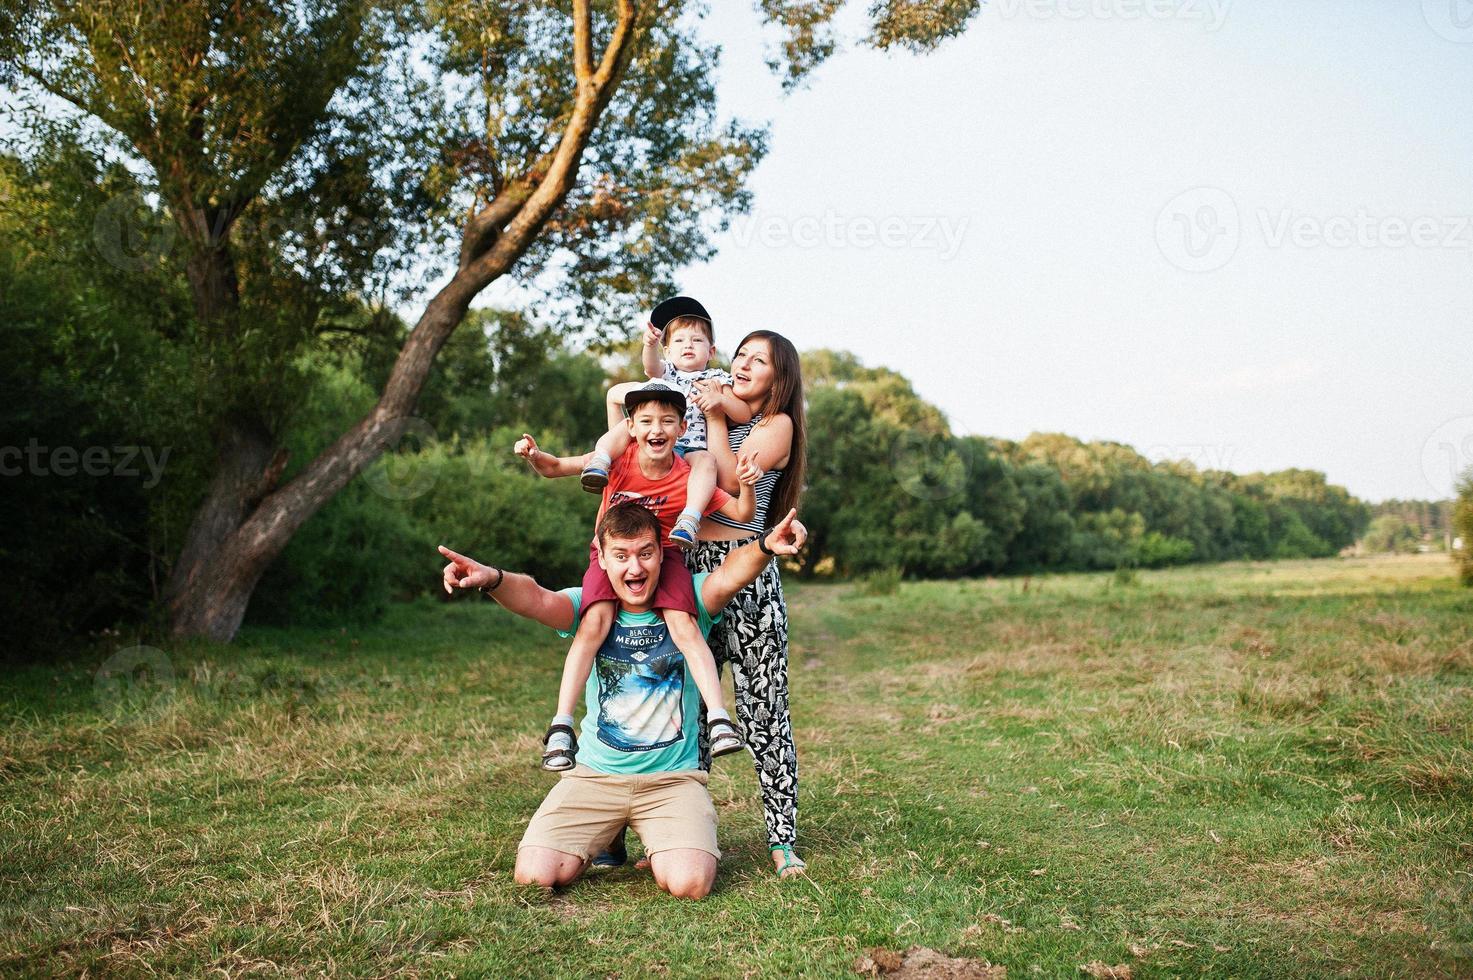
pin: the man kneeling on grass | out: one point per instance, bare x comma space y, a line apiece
641, 763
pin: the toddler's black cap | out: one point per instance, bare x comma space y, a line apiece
674, 307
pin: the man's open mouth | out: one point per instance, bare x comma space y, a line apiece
636, 586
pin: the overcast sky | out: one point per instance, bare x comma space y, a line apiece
1233, 231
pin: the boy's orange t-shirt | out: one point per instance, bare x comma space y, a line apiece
665, 496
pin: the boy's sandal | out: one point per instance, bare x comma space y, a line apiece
724, 737
791, 861
595, 479
559, 760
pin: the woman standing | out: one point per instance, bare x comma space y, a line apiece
753, 634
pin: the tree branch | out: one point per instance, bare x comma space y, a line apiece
582, 43
588, 105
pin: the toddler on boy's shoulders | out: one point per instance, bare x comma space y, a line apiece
684, 327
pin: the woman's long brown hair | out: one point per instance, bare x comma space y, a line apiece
786, 396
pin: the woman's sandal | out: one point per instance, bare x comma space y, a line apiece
559, 760
791, 861
723, 737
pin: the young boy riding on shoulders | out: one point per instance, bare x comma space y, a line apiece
648, 472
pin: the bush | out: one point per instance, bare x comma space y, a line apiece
375, 542
885, 581
1389, 533
1155, 550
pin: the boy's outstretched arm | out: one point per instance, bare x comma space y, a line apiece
519, 593
742, 566
654, 364
546, 463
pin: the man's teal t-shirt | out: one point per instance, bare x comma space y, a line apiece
641, 707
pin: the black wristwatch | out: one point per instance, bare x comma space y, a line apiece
486, 590
762, 544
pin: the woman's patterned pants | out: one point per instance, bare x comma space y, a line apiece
752, 637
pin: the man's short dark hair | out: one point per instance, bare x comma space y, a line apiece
628, 520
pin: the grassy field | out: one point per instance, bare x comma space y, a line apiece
1240, 770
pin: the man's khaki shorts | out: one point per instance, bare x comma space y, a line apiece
583, 812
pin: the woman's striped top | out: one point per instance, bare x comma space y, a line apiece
735, 436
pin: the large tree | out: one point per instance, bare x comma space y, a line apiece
308, 148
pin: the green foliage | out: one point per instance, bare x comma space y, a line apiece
1390, 533
375, 542
1154, 550
453, 480
664, 171
86, 369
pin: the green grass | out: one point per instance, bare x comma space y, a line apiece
1241, 770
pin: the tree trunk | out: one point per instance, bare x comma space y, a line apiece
245, 523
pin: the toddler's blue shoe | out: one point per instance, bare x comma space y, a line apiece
684, 532
595, 478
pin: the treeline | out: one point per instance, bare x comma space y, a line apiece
893, 488
1409, 526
